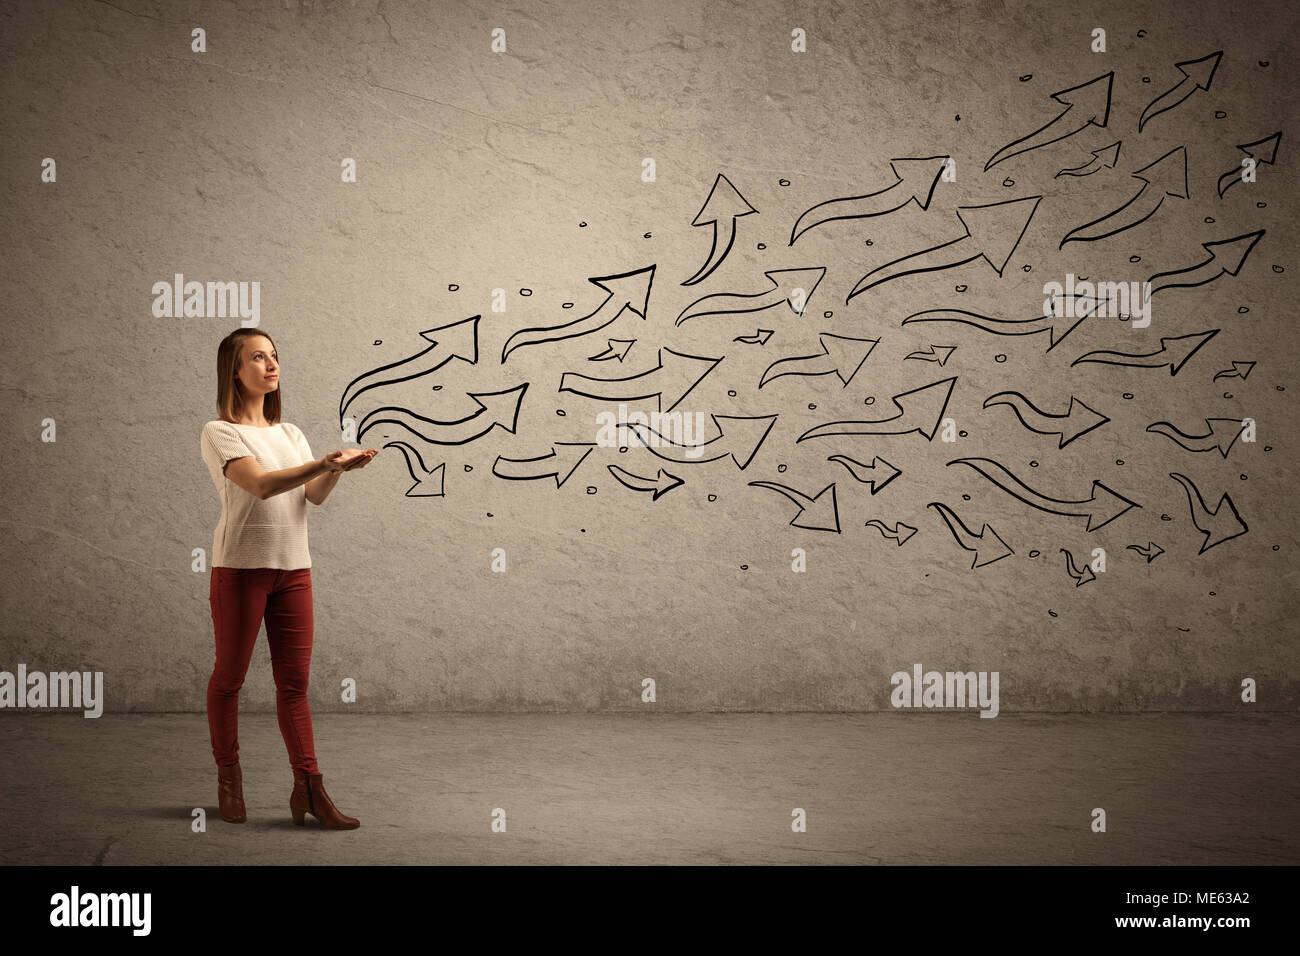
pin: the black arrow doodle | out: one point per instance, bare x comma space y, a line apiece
428, 481
559, 463
1104, 158
877, 474
1082, 575
1262, 151
1084, 104
738, 436
919, 410
1075, 422
760, 337
914, 181
823, 514
628, 290
724, 205
658, 486
899, 533
1220, 525
613, 350
1197, 75
1173, 352
1222, 434
495, 409
1238, 370
840, 354
1056, 327
784, 283
935, 353
995, 549
1165, 177
1226, 258
1150, 552
673, 378
1103, 503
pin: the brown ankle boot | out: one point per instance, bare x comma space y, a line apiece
309, 796
230, 793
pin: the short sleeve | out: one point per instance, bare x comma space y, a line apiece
221, 443
300, 440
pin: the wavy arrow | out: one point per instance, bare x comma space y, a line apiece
1150, 552
559, 463
1173, 352
1165, 177
1081, 575
612, 351
1262, 151
495, 408
1197, 75
1238, 370
759, 337
724, 205
822, 512
1226, 258
1084, 104
1220, 525
657, 486
919, 410
783, 288
899, 532
428, 481
992, 233
673, 378
738, 436
1076, 421
455, 340
840, 354
877, 474
1222, 434
995, 549
935, 353
628, 290
914, 181
1056, 327
1104, 158
1103, 503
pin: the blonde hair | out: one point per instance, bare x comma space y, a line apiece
230, 393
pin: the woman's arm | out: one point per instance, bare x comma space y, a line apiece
248, 474
319, 488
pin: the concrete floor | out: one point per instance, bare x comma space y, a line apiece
668, 788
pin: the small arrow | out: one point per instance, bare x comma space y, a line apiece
1076, 421
785, 282
899, 532
760, 337
1167, 176
428, 481
1238, 370
877, 474
992, 233
1104, 158
673, 378
1220, 525
914, 181
1103, 503
1226, 258
1262, 151
559, 463
1150, 552
1173, 352
1197, 75
822, 512
738, 436
1222, 434
1087, 104
1056, 327
657, 486
995, 549
495, 409
840, 354
456, 340
935, 353
1081, 575
919, 410
613, 350
724, 205
628, 290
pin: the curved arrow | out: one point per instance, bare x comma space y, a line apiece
919, 410
1220, 525
1150, 552
823, 512
1083, 105
1222, 434
968, 540
1263, 151
659, 485
725, 204
1103, 503
740, 438
877, 474
1167, 176
1104, 158
428, 481
628, 290
783, 288
914, 181
1081, 575
1239, 370
1197, 75
673, 379
498, 409
455, 340
759, 337
840, 354
612, 352
1174, 352
935, 353
900, 532
559, 463
1056, 327
1076, 421
1226, 258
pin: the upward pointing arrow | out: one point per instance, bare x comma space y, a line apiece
724, 205
1167, 176
1262, 151
914, 181
1087, 104
1197, 75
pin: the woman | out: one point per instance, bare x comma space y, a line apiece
265, 474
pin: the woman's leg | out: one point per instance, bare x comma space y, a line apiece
237, 597
289, 629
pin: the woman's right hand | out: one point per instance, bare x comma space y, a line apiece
339, 461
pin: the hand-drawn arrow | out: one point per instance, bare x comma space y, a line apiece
657, 486
1104, 503
495, 408
428, 481
1220, 525
1238, 370
1087, 104
914, 181
1174, 352
1226, 258
1150, 552
840, 354
784, 283
738, 436
1222, 434
995, 549
899, 532
1262, 151
1081, 575
823, 514
673, 377
1104, 158
1056, 327
724, 205
877, 474
628, 290
935, 353
613, 350
759, 337
1197, 75
455, 340
559, 463
992, 233
1074, 423
919, 410
1165, 177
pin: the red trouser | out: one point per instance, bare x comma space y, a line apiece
240, 597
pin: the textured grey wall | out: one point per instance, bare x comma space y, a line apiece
522, 170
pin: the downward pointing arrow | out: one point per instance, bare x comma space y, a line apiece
995, 549
1220, 525
1197, 75
822, 512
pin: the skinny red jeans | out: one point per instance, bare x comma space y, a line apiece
240, 599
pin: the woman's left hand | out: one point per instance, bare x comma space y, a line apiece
362, 460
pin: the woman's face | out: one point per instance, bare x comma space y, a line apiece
259, 366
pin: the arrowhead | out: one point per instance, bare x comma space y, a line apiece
429, 484
1107, 505
1091, 99
1085, 576
1263, 150
919, 176
568, 456
744, 435
1079, 420
847, 354
1109, 155
987, 552
665, 483
1243, 368
1230, 254
678, 374
996, 229
1168, 173
632, 288
822, 514
460, 338
1180, 348
1201, 72
903, 535
790, 279
502, 407
1224, 432
724, 202
925, 405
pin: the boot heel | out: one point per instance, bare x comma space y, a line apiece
298, 816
